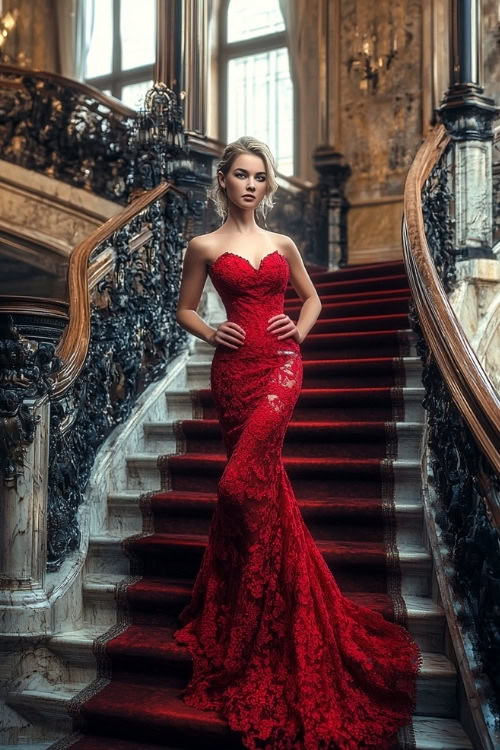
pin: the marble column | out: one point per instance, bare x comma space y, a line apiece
468, 114
24, 607
182, 57
333, 170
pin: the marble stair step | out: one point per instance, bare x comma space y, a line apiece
342, 298
184, 552
345, 345
303, 437
354, 287
309, 476
98, 595
430, 734
329, 372
324, 403
32, 746
343, 324
440, 734
75, 646
371, 303
191, 512
358, 323
342, 340
436, 679
360, 270
48, 706
426, 619
435, 697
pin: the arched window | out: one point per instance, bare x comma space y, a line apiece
122, 49
256, 93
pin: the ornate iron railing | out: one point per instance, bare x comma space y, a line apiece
463, 421
67, 130
496, 185
121, 335
113, 348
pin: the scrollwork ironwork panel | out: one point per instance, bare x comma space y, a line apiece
438, 224
134, 335
64, 133
25, 367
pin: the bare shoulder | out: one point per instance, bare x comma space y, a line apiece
287, 246
199, 248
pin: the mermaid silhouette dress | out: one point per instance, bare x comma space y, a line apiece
277, 649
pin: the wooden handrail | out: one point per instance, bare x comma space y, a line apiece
73, 347
469, 385
115, 105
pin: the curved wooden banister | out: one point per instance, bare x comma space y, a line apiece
114, 105
73, 347
469, 385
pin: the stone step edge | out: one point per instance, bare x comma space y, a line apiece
434, 665
167, 426
430, 734
102, 586
128, 499
399, 465
409, 363
408, 333
409, 554
50, 706
406, 390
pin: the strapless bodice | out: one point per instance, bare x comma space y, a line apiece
251, 296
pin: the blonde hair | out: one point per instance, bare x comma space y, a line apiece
243, 145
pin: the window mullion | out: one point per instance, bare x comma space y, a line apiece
117, 50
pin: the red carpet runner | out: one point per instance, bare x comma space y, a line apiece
341, 432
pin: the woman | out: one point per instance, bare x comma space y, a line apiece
277, 649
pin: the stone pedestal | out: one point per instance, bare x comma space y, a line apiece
332, 207
24, 607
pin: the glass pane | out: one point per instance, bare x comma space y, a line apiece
100, 57
138, 33
260, 103
246, 20
133, 94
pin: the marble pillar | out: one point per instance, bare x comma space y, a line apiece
24, 607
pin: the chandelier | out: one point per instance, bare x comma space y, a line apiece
371, 55
7, 23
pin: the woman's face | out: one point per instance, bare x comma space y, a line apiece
247, 175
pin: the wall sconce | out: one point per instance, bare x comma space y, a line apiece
366, 59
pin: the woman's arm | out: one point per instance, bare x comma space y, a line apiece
194, 276
301, 282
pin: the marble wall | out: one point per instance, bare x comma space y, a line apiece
378, 105
476, 302
34, 38
41, 221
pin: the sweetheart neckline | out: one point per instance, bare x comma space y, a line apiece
229, 252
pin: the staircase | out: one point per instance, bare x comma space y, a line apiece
358, 418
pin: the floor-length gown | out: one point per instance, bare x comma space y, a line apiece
277, 649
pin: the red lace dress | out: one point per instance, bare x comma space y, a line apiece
277, 649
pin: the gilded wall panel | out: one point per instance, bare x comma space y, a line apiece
374, 231
34, 37
381, 107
